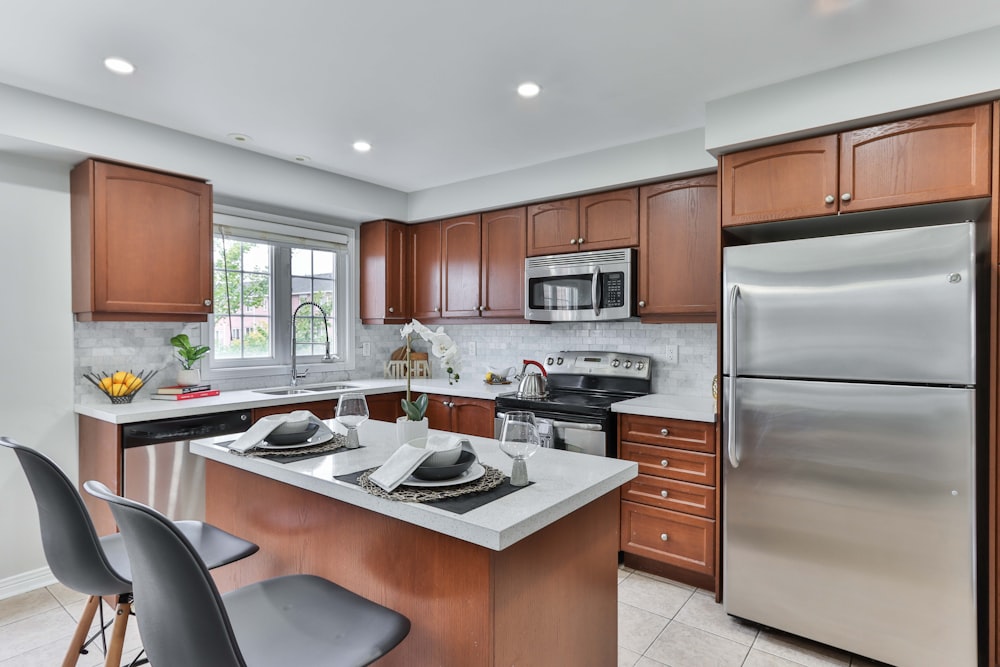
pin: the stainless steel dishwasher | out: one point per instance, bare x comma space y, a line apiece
160, 471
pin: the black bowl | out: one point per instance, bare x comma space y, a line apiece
435, 473
293, 438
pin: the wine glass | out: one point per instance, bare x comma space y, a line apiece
352, 409
519, 440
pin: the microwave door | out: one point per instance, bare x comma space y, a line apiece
595, 291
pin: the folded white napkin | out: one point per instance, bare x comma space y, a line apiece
400, 465
265, 425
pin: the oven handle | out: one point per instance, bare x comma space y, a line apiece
595, 291
576, 425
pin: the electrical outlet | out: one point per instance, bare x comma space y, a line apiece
671, 354
366, 349
470, 348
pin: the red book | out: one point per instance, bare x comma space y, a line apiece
184, 397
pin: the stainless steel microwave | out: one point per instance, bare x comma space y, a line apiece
580, 286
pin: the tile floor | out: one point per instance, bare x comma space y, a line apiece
660, 624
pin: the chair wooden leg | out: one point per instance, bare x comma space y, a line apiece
80, 636
124, 610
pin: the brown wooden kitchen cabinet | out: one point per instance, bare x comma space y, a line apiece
504, 242
425, 270
460, 247
595, 222
940, 157
385, 407
678, 248
668, 512
468, 416
323, 409
141, 244
384, 275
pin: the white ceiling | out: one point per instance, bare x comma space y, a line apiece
430, 83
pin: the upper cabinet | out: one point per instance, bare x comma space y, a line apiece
141, 244
941, 157
504, 237
425, 270
459, 267
384, 275
678, 251
595, 222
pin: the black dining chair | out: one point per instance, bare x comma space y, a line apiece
99, 566
297, 619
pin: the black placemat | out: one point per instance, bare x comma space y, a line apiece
460, 504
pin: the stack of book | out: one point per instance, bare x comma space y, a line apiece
182, 392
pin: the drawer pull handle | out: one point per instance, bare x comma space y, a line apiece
664, 432
663, 493
664, 537
664, 463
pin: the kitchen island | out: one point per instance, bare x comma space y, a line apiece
527, 579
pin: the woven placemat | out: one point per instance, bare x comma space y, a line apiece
336, 442
493, 478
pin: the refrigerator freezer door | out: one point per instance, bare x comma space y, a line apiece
850, 519
893, 306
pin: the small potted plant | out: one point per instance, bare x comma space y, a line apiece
414, 423
188, 354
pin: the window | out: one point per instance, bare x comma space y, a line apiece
267, 270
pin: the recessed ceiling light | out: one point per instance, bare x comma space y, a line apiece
529, 89
239, 138
362, 146
119, 66
302, 158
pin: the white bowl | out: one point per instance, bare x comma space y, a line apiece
447, 449
294, 422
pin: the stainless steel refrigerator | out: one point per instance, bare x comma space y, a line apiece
849, 441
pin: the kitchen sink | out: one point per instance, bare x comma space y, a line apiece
328, 387
282, 392
311, 389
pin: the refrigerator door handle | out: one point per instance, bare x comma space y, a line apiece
734, 296
595, 291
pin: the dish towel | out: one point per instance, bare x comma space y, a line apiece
265, 425
400, 465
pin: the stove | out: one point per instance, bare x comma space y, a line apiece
576, 415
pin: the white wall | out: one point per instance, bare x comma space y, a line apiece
36, 347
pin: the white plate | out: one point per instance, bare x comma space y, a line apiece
318, 438
474, 472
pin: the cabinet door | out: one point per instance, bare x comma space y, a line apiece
553, 227
609, 220
678, 250
669, 537
323, 409
425, 270
504, 237
439, 412
471, 416
142, 244
385, 407
783, 182
384, 297
460, 248
933, 158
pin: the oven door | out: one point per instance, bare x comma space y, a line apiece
570, 432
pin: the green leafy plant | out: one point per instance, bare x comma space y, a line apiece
186, 352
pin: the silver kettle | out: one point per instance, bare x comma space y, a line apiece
533, 385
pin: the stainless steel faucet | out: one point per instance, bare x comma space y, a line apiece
326, 330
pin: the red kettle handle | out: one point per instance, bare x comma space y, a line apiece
535, 363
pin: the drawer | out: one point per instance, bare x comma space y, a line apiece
672, 463
671, 494
669, 537
678, 433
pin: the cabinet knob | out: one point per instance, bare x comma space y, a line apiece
391, 309
642, 304
437, 309
845, 197
482, 308
830, 199
664, 432
664, 537
208, 302
663, 493
580, 240
572, 241
664, 463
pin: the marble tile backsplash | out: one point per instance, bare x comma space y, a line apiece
107, 346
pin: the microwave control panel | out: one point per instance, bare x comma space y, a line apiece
614, 289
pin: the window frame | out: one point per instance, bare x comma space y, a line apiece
282, 230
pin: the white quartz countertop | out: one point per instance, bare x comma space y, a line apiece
144, 408
562, 482
692, 408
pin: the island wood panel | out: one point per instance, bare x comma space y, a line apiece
100, 458
549, 599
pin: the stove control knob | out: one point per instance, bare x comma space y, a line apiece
639, 366
628, 364
549, 361
615, 363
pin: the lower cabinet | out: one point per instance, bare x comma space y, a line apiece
469, 416
385, 407
322, 409
669, 512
